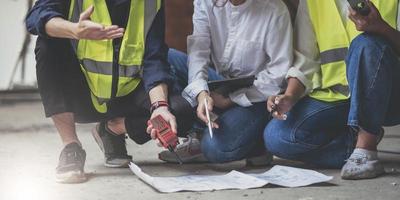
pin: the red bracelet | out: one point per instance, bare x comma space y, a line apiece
158, 104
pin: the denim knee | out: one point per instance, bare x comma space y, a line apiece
274, 141
177, 58
211, 150
215, 151
368, 42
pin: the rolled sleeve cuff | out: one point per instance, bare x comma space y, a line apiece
239, 97
295, 73
191, 92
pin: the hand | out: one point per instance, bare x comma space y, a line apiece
372, 23
280, 105
201, 108
167, 115
220, 101
87, 29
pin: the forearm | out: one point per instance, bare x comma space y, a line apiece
392, 35
295, 88
61, 28
159, 93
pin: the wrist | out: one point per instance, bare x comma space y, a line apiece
202, 94
73, 31
158, 104
293, 96
383, 29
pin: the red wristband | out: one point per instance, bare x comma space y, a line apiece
158, 104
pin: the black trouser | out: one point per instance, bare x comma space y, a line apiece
63, 88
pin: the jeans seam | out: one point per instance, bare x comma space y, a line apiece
300, 123
379, 63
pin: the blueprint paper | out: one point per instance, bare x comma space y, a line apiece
279, 175
292, 177
232, 180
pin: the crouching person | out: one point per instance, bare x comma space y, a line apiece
238, 38
331, 118
104, 61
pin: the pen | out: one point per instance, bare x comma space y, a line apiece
208, 118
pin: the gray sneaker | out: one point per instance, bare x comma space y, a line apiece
71, 164
190, 152
113, 147
362, 164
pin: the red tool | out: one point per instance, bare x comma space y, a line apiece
167, 138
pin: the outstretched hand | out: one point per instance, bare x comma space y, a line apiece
87, 29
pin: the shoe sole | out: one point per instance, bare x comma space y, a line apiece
99, 142
123, 164
188, 160
367, 175
370, 175
71, 177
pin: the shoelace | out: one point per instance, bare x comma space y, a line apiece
72, 157
185, 143
358, 159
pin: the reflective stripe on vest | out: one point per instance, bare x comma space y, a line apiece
97, 57
334, 37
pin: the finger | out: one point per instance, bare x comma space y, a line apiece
114, 31
372, 7
119, 35
214, 125
210, 104
153, 134
352, 18
270, 103
270, 106
149, 128
201, 113
352, 12
279, 116
111, 28
87, 13
277, 100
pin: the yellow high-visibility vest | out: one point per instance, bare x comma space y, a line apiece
107, 77
334, 38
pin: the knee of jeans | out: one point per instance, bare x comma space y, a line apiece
212, 151
209, 149
273, 140
174, 56
368, 42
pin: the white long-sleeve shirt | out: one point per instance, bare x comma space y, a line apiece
254, 38
307, 55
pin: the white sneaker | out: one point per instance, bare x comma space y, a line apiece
362, 164
189, 151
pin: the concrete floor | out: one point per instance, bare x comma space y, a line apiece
29, 150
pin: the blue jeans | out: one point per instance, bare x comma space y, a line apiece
318, 132
373, 73
241, 128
